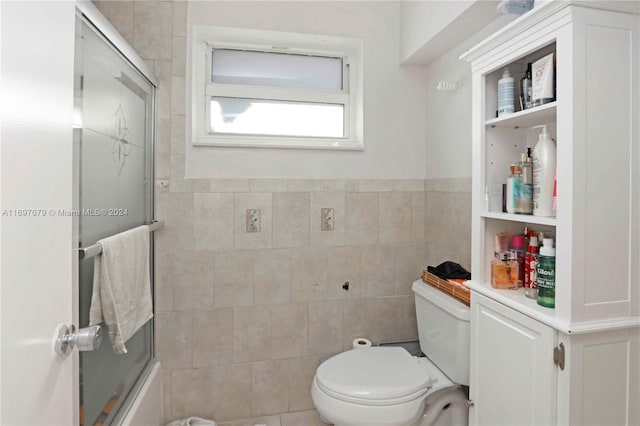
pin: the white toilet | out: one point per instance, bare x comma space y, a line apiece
387, 386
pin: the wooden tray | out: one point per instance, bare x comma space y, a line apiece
462, 294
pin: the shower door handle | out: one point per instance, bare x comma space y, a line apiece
85, 339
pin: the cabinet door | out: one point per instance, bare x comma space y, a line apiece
513, 376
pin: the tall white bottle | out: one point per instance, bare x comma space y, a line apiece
506, 94
544, 173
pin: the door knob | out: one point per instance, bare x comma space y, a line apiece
85, 339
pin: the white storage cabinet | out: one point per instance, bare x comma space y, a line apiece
594, 331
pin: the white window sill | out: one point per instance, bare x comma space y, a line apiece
279, 142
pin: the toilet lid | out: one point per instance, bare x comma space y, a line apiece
376, 373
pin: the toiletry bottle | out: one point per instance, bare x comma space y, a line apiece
504, 272
544, 171
546, 276
524, 191
543, 80
486, 199
518, 247
554, 202
531, 268
525, 89
506, 94
511, 189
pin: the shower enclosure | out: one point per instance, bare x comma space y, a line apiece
113, 155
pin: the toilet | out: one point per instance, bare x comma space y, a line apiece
385, 385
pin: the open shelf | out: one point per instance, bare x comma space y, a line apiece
523, 218
542, 114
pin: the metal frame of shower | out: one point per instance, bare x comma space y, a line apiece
88, 12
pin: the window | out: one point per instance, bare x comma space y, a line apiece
270, 89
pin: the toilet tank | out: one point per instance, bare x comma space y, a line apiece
443, 330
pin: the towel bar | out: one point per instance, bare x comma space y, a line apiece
96, 249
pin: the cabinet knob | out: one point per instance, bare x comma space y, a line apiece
85, 339
469, 403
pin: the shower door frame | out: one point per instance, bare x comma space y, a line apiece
87, 12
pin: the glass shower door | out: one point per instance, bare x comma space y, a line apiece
114, 154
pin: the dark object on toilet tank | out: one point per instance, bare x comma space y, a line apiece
448, 269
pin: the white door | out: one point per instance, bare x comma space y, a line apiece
513, 376
36, 158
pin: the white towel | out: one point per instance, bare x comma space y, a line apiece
121, 285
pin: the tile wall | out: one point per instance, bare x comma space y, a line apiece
243, 318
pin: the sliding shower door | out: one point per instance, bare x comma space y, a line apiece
114, 159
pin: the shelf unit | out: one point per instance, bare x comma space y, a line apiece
596, 321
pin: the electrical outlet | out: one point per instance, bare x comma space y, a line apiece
326, 219
253, 220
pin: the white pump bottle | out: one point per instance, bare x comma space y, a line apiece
544, 174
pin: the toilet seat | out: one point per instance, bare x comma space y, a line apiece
376, 376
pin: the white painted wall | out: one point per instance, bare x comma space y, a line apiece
394, 96
36, 173
421, 21
448, 115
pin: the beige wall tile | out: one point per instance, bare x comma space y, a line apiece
166, 396
251, 333
417, 217
268, 185
180, 9
163, 136
300, 374
410, 262
177, 95
230, 397
378, 271
309, 274
344, 265
178, 130
360, 320
174, 339
120, 15
252, 240
162, 69
397, 318
184, 281
408, 185
176, 209
352, 185
191, 393
298, 418
269, 387
233, 278
395, 217
163, 101
229, 185
320, 200
179, 61
325, 327
459, 184
271, 276
320, 185
273, 420
163, 165
212, 337
289, 328
291, 219
375, 185
213, 221
179, 183
150, 36
361, 222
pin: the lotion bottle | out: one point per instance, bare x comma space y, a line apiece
544, 173
506, 94
546, 275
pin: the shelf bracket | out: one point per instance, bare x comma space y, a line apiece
558, 355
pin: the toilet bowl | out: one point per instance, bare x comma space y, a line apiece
385, 386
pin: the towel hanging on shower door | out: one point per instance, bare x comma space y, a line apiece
122, 286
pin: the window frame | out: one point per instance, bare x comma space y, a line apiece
206, 38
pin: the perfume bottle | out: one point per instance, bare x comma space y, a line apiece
504, 271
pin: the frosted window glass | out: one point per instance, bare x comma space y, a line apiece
277, 118
276, 70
